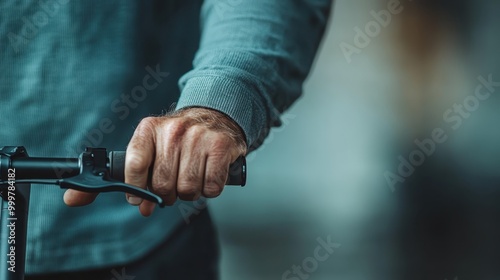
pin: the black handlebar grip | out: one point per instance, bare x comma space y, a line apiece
117, 165
237, 170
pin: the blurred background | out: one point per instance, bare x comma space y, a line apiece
324, 173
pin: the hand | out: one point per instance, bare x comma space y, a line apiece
187, 152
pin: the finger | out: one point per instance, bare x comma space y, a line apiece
217, 169
222, 153
146, 208
133, 200
166, 166
139, 157
192, 165
78, 198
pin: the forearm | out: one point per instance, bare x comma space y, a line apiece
253, 59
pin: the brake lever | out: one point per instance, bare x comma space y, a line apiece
94, 177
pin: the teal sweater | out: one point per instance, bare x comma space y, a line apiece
83, 73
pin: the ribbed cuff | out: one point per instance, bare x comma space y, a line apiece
230, 97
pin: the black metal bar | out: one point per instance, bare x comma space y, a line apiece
59, 168
13, 217
45, 168
16, 165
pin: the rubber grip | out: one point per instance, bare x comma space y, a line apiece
237, 170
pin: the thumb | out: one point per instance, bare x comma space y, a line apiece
78, 198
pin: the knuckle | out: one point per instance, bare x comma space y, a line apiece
219, 157
217, 179
197, 130
175, 129
162, 190
191, 176
187, 189
146, 125
214, 184
220, 142
160, 172
165, 190
161, 181
189, 185
212, 189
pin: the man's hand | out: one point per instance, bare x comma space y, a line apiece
185, 154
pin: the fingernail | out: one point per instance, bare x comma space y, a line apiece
134, 200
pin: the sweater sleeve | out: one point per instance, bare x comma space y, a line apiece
253, 58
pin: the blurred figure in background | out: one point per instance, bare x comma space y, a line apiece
432, 38
449, 203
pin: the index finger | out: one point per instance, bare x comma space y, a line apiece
139, 157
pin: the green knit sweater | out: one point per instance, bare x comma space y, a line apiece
83, 73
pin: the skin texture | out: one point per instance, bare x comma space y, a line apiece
187, 152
